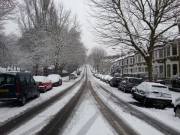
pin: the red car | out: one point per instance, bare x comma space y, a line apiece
44, 83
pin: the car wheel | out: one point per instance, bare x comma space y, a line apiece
133, 95
44, 90
163, 106
37, 94
144, 102
176, 111
23, 100
124, 90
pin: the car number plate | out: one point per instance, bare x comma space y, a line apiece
4, 90
159, 101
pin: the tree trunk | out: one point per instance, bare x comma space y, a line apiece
150, 69
56, 68
36, 69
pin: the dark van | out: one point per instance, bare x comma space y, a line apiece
17, 86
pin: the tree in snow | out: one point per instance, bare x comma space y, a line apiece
35, 41
49, 34
7, 10
96, 57
135, 24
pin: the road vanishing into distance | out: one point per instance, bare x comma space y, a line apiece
55, 115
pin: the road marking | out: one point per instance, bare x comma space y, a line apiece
120, 128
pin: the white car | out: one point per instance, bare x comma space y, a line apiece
107, 78
177, 107
149, 93
55, 79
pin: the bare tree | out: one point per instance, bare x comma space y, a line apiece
135, 24
96, 57
50, 35
7, 8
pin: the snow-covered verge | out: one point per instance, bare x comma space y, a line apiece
166, 115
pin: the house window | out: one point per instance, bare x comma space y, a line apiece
131, 61
139, 58
168, 50
168, 71
161, 69
174, 69
155, 54
161, 53
174, 49
142, 69
139, 69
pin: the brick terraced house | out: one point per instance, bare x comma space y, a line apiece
166, 61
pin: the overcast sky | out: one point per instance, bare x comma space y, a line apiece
79, 8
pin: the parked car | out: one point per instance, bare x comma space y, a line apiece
79, 72
72, 76
102, 78
175, 81
177, 107
117, 75
55, 79
17, 86
107, 78
43, 82
149, 93
128, 83
115, 81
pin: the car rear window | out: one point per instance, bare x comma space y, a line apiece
23, 81
7, 79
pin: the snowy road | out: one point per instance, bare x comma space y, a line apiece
86, 118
